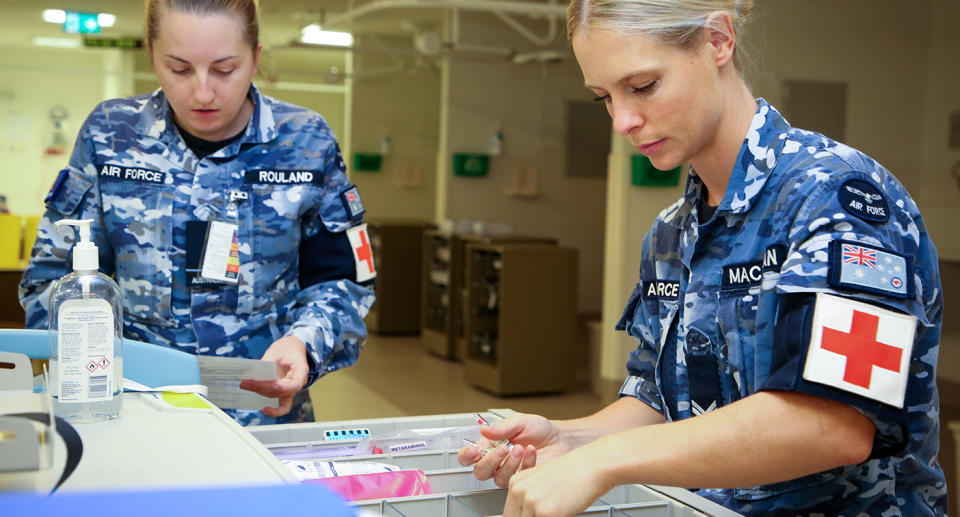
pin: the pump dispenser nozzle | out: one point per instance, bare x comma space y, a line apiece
85, 254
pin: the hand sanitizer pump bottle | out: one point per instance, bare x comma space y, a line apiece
86, 337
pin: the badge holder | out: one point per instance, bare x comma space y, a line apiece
220, 255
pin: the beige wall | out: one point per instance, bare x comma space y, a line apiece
32, 81
877, 47
527, 102
941, 190
397, 98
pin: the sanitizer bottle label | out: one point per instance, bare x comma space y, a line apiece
85, 337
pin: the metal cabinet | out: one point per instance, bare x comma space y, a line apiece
443, 287
397, 254
521, 317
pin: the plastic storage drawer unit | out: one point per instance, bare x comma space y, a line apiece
456, 492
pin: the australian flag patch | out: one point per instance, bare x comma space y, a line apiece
854, 265
352, 203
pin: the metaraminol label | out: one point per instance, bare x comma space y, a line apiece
408, 446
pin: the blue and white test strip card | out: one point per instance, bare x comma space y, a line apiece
346, 434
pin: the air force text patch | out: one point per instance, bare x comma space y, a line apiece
864, 200
870, 269
661, 289
282, 177
136, 174
860, 348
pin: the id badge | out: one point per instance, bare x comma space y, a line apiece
220, 258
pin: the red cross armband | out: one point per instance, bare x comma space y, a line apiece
362, 252
330, 256
844, 350
860, 348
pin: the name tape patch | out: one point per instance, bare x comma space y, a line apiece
871, 269
135, 174
749, 274
282, 177
864, 200
661, 289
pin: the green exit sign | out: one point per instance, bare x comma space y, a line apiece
465, 164
81, 23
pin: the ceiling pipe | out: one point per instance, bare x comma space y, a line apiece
527, 33
501, 6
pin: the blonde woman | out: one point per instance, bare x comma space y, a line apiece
788, 308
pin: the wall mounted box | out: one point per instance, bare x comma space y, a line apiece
470, 164
644, 174
367, 162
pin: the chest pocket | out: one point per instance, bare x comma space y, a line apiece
737, 320
666, 368
137, 218
270, 225
667, 312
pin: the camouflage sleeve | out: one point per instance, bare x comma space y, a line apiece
821, 221
74, 194
822, 235
330, 308
641, 381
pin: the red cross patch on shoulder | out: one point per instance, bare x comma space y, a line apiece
362, 252
860, 348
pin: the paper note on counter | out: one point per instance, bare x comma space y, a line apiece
222, 376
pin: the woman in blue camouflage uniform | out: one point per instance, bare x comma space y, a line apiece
154, 171
788, 309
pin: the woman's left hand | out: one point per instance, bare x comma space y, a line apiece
564, 486
290, 355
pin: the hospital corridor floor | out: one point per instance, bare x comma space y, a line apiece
396, 377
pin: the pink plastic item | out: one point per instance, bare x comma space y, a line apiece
381, 485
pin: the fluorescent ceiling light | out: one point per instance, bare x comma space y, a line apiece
41, 41
54, 15
60, 16
314, 35
106, 19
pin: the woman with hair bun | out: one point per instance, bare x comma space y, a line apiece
788, 306
161, 174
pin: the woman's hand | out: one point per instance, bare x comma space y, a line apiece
562, 487
290, 354
534, 440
